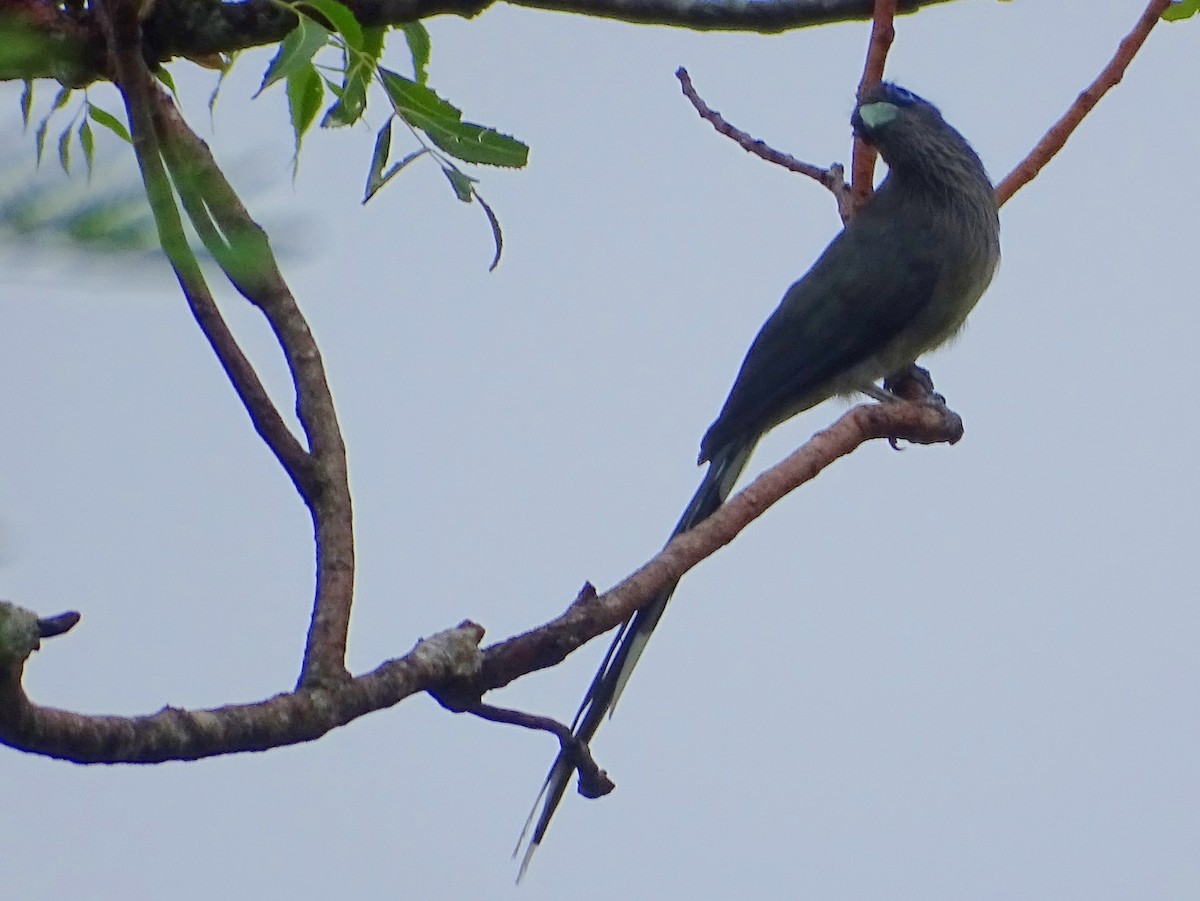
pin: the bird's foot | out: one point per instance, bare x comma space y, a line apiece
912, 384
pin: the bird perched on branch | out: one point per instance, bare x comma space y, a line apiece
898, 281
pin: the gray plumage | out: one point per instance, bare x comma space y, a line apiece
898, 281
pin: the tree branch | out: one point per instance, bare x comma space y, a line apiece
849, 198
764, 16
450, 663
320, 472
593, 614
174, 734
832, 178
862, 157
593, 781
242, 249
70, 47
1110, 76
135, 86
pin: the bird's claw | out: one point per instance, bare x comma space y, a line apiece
915, 385
912, 383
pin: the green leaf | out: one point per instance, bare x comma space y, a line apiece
64, 149
379, 158
164, 76
464, 190
88, 142
423, 109
477, 144
376, 177
391, 173
27, 101
373, 41
408, 96
340, 18
1181, 9
463, 185
60, 99
497, 235
305, 92
352, 96
212, 98
418, 46
40, 138
109, 121
295, 51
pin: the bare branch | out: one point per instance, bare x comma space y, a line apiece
849, 198
1056, 138
831, 178
766, 17
286, 719
449, 664
862, 160
593, 781
592, 614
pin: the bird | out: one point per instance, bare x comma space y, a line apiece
896, 282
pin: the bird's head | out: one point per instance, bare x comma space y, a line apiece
909, 132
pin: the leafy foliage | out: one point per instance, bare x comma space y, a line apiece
421, 108
436, 124
342, 87
1181, 9
78, 128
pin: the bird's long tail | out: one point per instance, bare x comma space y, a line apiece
627, 646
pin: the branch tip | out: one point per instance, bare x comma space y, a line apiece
831, 178
593, 781
1056, 138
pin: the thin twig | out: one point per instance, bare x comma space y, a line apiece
862, 160
1054, 140
593, 781
832, 178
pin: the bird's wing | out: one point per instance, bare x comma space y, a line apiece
867, 286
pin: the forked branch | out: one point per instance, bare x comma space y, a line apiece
449, 663
240, 247
850, 197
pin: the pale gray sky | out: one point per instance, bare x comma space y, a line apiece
948, 673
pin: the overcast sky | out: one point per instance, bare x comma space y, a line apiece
946, 673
